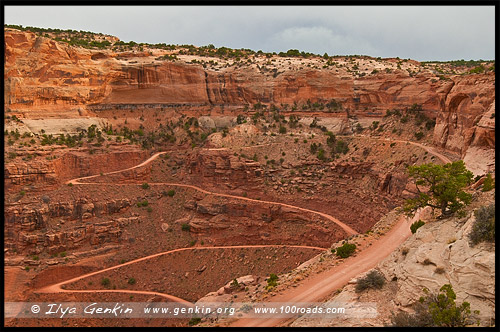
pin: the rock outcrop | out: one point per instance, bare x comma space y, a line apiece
55, 227
470, 270
72, 164
438, 253
223, 168
249, 222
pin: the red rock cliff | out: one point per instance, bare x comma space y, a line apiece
41, 73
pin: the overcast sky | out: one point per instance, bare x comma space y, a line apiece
415, 32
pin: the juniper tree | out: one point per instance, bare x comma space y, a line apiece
440, 186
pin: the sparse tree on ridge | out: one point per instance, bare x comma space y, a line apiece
440, 186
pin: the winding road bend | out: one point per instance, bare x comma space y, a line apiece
312, 289
77, 181
57, 288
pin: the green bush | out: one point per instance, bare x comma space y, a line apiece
346, 250
437, 310
272, 281
145, 186
194, 321
186, 227
321, 155
489, 183
131, 281
374, 279
235, 284
416, 225
171, 193
143, 203
483, 229
105, 282
419, 135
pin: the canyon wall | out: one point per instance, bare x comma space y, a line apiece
42, 74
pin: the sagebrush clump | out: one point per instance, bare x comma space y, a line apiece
374, 279
346, 250
483, 229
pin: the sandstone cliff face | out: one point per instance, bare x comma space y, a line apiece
460, 123
470, 270
41, 172
248, 222
222, 168
56, 227
42, 73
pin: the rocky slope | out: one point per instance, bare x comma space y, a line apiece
438, 244
43, 76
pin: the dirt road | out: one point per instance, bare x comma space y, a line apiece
57, 288
77, 181
313, 289
320, 286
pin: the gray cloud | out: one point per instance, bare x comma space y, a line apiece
416, 32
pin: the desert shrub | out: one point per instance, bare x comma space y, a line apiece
484, 226
438, 310
489, 183
171, 193
235, 284
240, 119
346, 250
314, 147
45, 199
105, 282
416, 225
321, 155
359, 127
427, 261
419, 135
439, 270
374, 279
404, 251
272, 281
186, 227
429, 124
145, 186
421, 317
131, 281
143, 203
342, 147
194, 321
